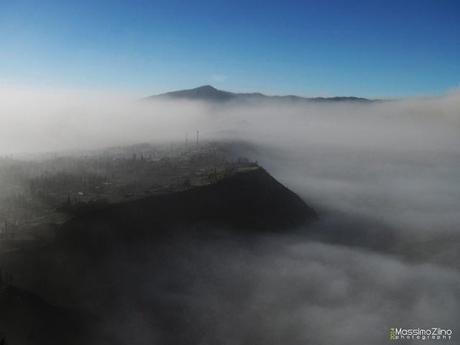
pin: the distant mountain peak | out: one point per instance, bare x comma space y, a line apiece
204, 93
209, 93
206, 88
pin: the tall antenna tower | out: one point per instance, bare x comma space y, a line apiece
197, 137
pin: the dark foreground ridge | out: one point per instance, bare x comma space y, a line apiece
139, 258
248, 201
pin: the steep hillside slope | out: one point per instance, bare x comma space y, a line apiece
248, 201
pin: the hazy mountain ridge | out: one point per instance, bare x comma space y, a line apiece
209, 93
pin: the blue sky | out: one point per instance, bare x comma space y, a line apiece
362, 48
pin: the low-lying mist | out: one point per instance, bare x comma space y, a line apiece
383, 177
50, 120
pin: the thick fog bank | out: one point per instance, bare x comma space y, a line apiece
277, 291
56, 120
382, 176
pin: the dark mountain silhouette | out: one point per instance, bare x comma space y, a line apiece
205, 93
208, 93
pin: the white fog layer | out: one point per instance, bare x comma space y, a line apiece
384, 178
